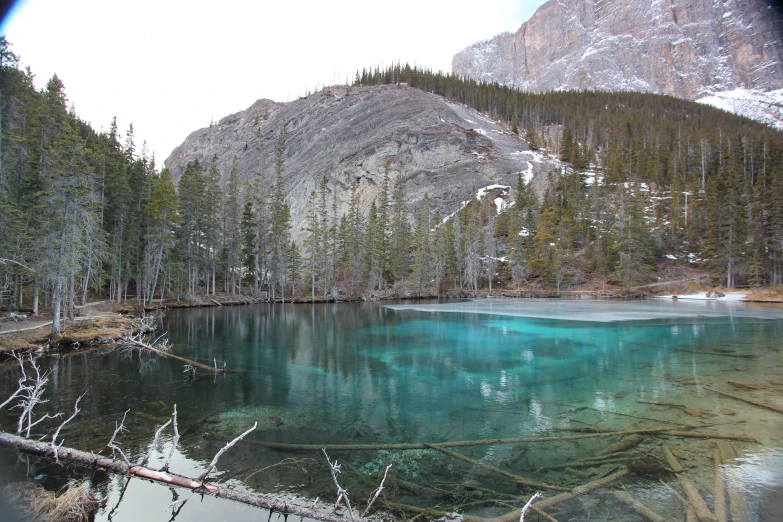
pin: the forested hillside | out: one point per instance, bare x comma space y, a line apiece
671, 177
647, 176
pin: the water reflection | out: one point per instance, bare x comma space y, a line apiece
364, 373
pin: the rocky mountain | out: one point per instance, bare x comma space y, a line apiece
684, 48
356, 134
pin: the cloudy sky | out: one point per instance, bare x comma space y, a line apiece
170, 67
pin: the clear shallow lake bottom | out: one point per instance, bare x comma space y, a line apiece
368, 373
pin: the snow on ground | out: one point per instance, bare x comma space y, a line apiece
461, 206
481, 131
702, 296
765, 107
530, 156
599, 310
480, 193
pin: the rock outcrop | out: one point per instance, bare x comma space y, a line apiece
356, 134
683, 48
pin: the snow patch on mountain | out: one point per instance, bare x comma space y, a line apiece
766, 107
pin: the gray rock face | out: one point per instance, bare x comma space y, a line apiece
683, 48
355, 134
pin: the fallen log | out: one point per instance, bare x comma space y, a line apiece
562, 497
738, 503
623, 444
674, 432
516, 478
749, 401
140, 344
748, 385
281, 446
691, 491
721, 354
119, 467
637, 506
719, 495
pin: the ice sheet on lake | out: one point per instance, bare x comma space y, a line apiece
598, 310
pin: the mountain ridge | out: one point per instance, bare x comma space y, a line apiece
352, 134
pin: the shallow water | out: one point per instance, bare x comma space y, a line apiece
423, 372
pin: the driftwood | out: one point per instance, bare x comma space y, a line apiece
511, 476
737, 501
691, 491
117, 466
749, 401
637, 506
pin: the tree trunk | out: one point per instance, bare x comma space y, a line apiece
56, 307
116, 466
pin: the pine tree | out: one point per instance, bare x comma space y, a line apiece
163, 215
422, 246
400, 235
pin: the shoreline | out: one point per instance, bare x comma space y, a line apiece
105, 322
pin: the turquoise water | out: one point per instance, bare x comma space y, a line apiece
364, 373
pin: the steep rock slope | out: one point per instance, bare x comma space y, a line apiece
356, 134
683, 48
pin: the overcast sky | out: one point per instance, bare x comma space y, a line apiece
169, 67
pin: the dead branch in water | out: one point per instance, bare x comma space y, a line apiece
135, 341
342, 494
114, 447
562, 497
223, 450
749, 401
118, 466
55, 447
377, 493
516, 478
527, 506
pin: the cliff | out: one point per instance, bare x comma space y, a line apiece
683, 48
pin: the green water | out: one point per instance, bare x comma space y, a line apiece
367, 373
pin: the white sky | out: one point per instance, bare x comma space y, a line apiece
169, 67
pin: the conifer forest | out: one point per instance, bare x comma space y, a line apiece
647, 176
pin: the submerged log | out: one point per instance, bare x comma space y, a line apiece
748, 385
720, 490
516, 478
749, 401
738, 503
562, 497
120, 467
489, 442
623, 444
691, 491
637, 506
